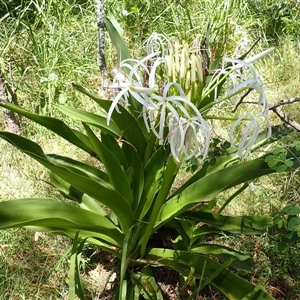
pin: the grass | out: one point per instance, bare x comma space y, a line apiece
42, 53
32, 269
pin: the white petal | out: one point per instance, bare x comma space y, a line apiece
259, 56
114, 105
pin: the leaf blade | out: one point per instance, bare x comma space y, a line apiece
55, 125
229, 284
97, 189
52, 214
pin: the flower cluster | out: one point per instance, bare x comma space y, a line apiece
170, 86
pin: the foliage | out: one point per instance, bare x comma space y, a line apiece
276, 18
135, 187
287, 226
29, 10
44, 66
279, 159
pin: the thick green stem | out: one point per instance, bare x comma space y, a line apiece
167, 182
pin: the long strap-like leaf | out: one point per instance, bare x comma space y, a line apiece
208, 187
127, 123
229, 284
78, 178
57, 216
55, 125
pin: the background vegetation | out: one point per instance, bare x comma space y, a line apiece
46, 45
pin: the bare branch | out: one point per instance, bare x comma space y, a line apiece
101, 43
101, 35
275, 108
241, 101
284, 102
285, 118
12, 121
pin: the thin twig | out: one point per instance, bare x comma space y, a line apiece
12, 121
241, 100
275, 108
285, 118
284, 102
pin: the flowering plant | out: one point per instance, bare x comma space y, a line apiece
157, 120
176, 95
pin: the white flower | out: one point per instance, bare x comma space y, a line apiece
168, 85
125, 12
247, 137
126, 87
127, 81
259, 56
163, 105
167, 103
190, 137
188, 132
158, 43
243, 76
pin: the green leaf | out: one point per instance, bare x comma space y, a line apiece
55, 125
56, 216
209, 167
240, 260
237, 224
184, 229
289, 163
273, 163
256, 293
97, 189
208, 187
114, 147
167, 181
293, 224
92, 172
123, 290
149, 289
280, 247
92, 119
75, 283
269, 158
116, 36
281, 168
153, 171
124, 262
215, 273
70, 192
291, 210
279, 150
136, 164
230, 285
133, 292
112, 166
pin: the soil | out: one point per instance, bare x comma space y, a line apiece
169, 280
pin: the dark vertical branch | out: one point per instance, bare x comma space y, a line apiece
12, 121
101, 41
